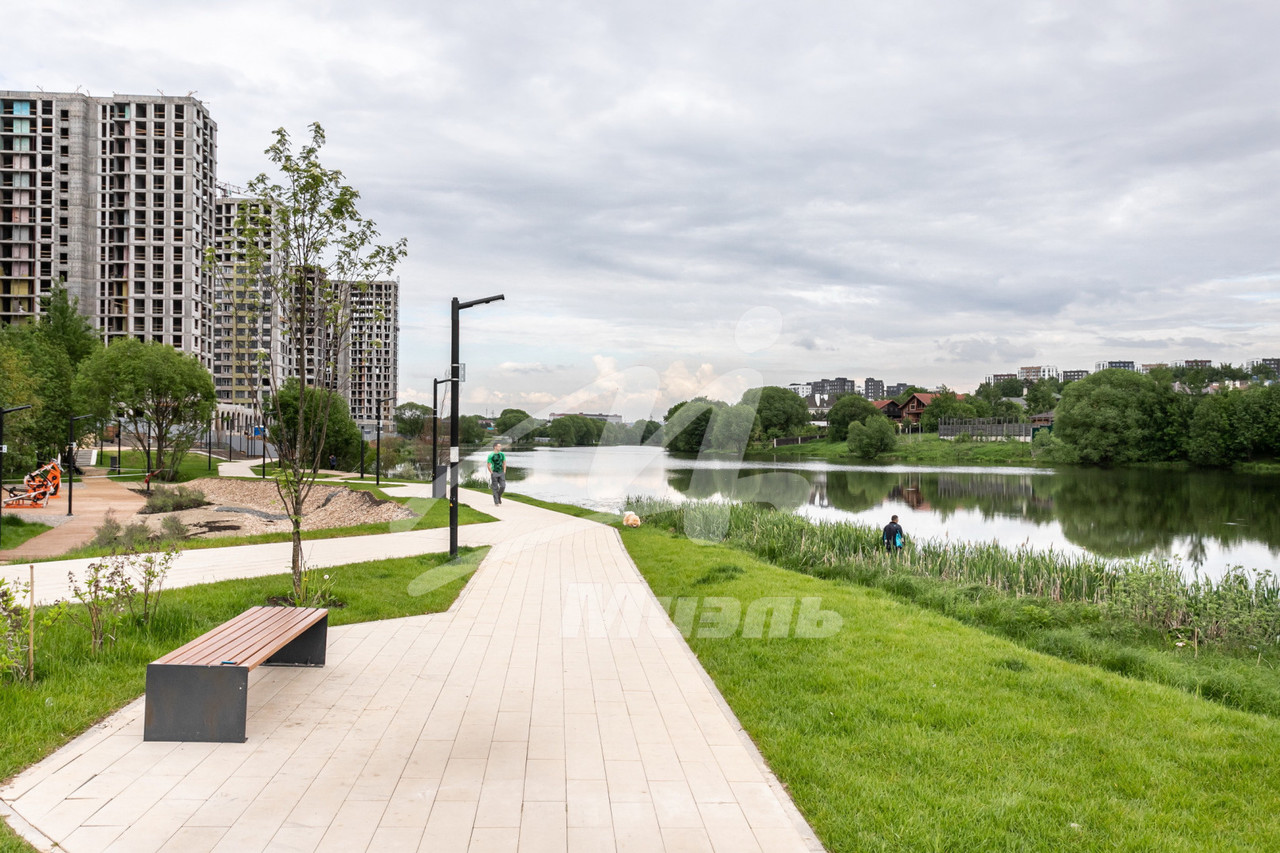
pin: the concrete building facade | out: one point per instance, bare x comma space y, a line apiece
114, 197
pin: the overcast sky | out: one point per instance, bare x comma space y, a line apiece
683, 197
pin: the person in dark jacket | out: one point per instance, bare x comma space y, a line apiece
893, 536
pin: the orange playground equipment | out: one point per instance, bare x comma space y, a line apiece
37, 488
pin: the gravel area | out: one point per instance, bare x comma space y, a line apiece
245, 507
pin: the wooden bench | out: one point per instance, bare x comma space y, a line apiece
200, 692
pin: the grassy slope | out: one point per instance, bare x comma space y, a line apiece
15, 531
909, 731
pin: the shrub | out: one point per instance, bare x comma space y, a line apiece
172, 529
164, 499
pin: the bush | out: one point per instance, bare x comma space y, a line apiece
869, 440
117, 537
163, 499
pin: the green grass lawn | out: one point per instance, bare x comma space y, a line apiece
909, 731
14, 531
194, 465
74, 689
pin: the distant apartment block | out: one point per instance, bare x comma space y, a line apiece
896, 390
1273, 363
1148, 367
996, 378
1074, 375
595, 416
801, 389
1194, 363
114, 196
873, 389
1037, 372
1114, 365
370, 364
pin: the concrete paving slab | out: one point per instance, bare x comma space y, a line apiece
521, 719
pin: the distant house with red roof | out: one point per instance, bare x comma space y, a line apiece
889, 409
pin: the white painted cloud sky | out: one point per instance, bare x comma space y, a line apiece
917, 191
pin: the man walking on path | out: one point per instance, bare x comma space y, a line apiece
497, 464
893, 536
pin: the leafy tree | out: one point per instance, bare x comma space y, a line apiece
308, 251
781, 412
412, 420
1213, 440
517, 425
471, 431
166, 397
575, 431
946, 405
868, 440
731, 428
18, 387
342, 436
686, 424
65, 327
1042, 396
849, 408
648, 429
1114, 417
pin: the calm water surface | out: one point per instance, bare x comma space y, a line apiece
1207, 520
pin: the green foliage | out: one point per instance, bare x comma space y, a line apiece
19, 386
1043, 396
329, 420
1115, 417
945, 405
65, 329
113, 537
575, 431
781, 411
731, 428
163, 499
685, 424
15, 630
846, 410
413, 420
867, 441
902, 398
167, 397
471, 431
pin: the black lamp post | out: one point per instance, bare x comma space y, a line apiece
378, 463
437, 487
3, 449
455, 457
71, 456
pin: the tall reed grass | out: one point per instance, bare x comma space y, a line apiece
1242, 607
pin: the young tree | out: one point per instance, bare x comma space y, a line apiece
166, 397
308, 251
782, 412
869, 440
413, 420
849, 408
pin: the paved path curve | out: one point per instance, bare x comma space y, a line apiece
513, 722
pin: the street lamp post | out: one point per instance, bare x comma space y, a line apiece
437, 487
378, 463
71, 453
3, 412
454, 456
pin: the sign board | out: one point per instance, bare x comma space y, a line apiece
453, 455
4, 448
257, 431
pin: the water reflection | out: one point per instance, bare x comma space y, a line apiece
1209, 520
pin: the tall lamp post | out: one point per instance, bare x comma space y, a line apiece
378, 463
437, 485
3, 450
455, 457
71, 453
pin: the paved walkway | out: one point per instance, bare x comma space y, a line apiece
90, 500
513, 722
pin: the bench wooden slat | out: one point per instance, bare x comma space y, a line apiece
248, 639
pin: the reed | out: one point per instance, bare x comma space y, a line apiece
1240, 608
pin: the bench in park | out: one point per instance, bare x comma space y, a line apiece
200, 692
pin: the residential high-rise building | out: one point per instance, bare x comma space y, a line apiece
1114, 365
895, 390
246, 333
1037, 372
370, 363
1073, 375
873, 389
114, 197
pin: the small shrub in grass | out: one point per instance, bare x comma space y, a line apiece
14, 634
165, 499
173, 530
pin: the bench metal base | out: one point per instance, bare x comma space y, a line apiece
211, 703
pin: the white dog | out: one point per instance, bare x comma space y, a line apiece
630, 519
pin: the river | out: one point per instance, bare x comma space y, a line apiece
1209, 521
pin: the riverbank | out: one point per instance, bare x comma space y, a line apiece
905, 730
926, 449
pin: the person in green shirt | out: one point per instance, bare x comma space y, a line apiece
497, 464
